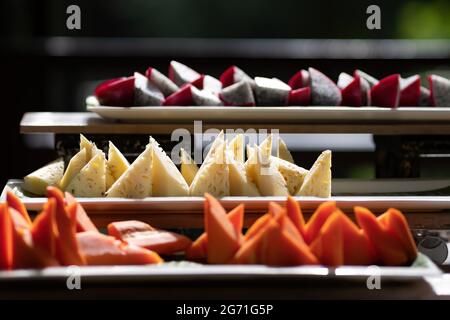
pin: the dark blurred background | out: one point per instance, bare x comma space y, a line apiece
47, 67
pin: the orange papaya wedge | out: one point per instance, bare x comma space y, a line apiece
66, 247
143, 235
294, 213
18, 220
275, 210
389, 249
15, 203
44, 231
328, 246
397, 225
317, 220
6, 245
84, 223
255, 228
198, 249
100, 249
223, 240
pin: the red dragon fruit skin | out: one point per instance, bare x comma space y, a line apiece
116, 92
233, 75
299, 80
164, 84
410, 91
352, 93
386, 93
300, 97
183, 97
181, 74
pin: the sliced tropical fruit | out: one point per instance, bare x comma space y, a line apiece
188, 167
99, 249
410, 91
15, 203
238, 94
116, 92
84, 223
49, 175
317, 220
164, 84
439, 91
294, 212
167, 179
181, 74
300, 97
136, 181
324, 92
386, 93
234, 75
6, 238
271, 92
299, 80
44, 232
181, 97
208, 83
369, 79
317, 182
145, 92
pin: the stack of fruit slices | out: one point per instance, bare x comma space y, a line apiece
186, 87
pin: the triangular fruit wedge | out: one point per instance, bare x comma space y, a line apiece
352, 93
328, 246
238, 94
136, 182
439, 91
91, 180
257, 226
233, 75
213, 176
76, 163
188, 167
164, 84
116, 92
198, 250
294, 213
44, 231
397, 225
143, 235
275, 210
145, 92
299, 80
167, 179
18, 220
15, 203
236, 146
223, 240
300, 97
181, 74
208, 83
386, 93
317, 220
84, 223
6, 240
271, 92
66, 247
181, 97
371, 81
388, 248
99, 249
357, 247
410, 91
317, 183
205, 97
283, 151
285, 248
324, 92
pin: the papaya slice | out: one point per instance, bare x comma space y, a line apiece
18, 220
255, 228
44, 231
15, 203
6, 245
294, 213
357, 247
66, 247
100, 249
223, 241
317, 220
388, 248
143, 235
275, 210
84, 223
397, 225
328, 246
198, 250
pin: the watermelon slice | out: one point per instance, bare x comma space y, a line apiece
116, 92
208, 83
300, 97
146, 93
234, 75
324, 91
299, 80
238, 94
386, 93
181, 74
271, 92
410, 91
164, 84
439, 91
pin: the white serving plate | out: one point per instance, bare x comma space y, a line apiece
377, 195
269, 114
179, 271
